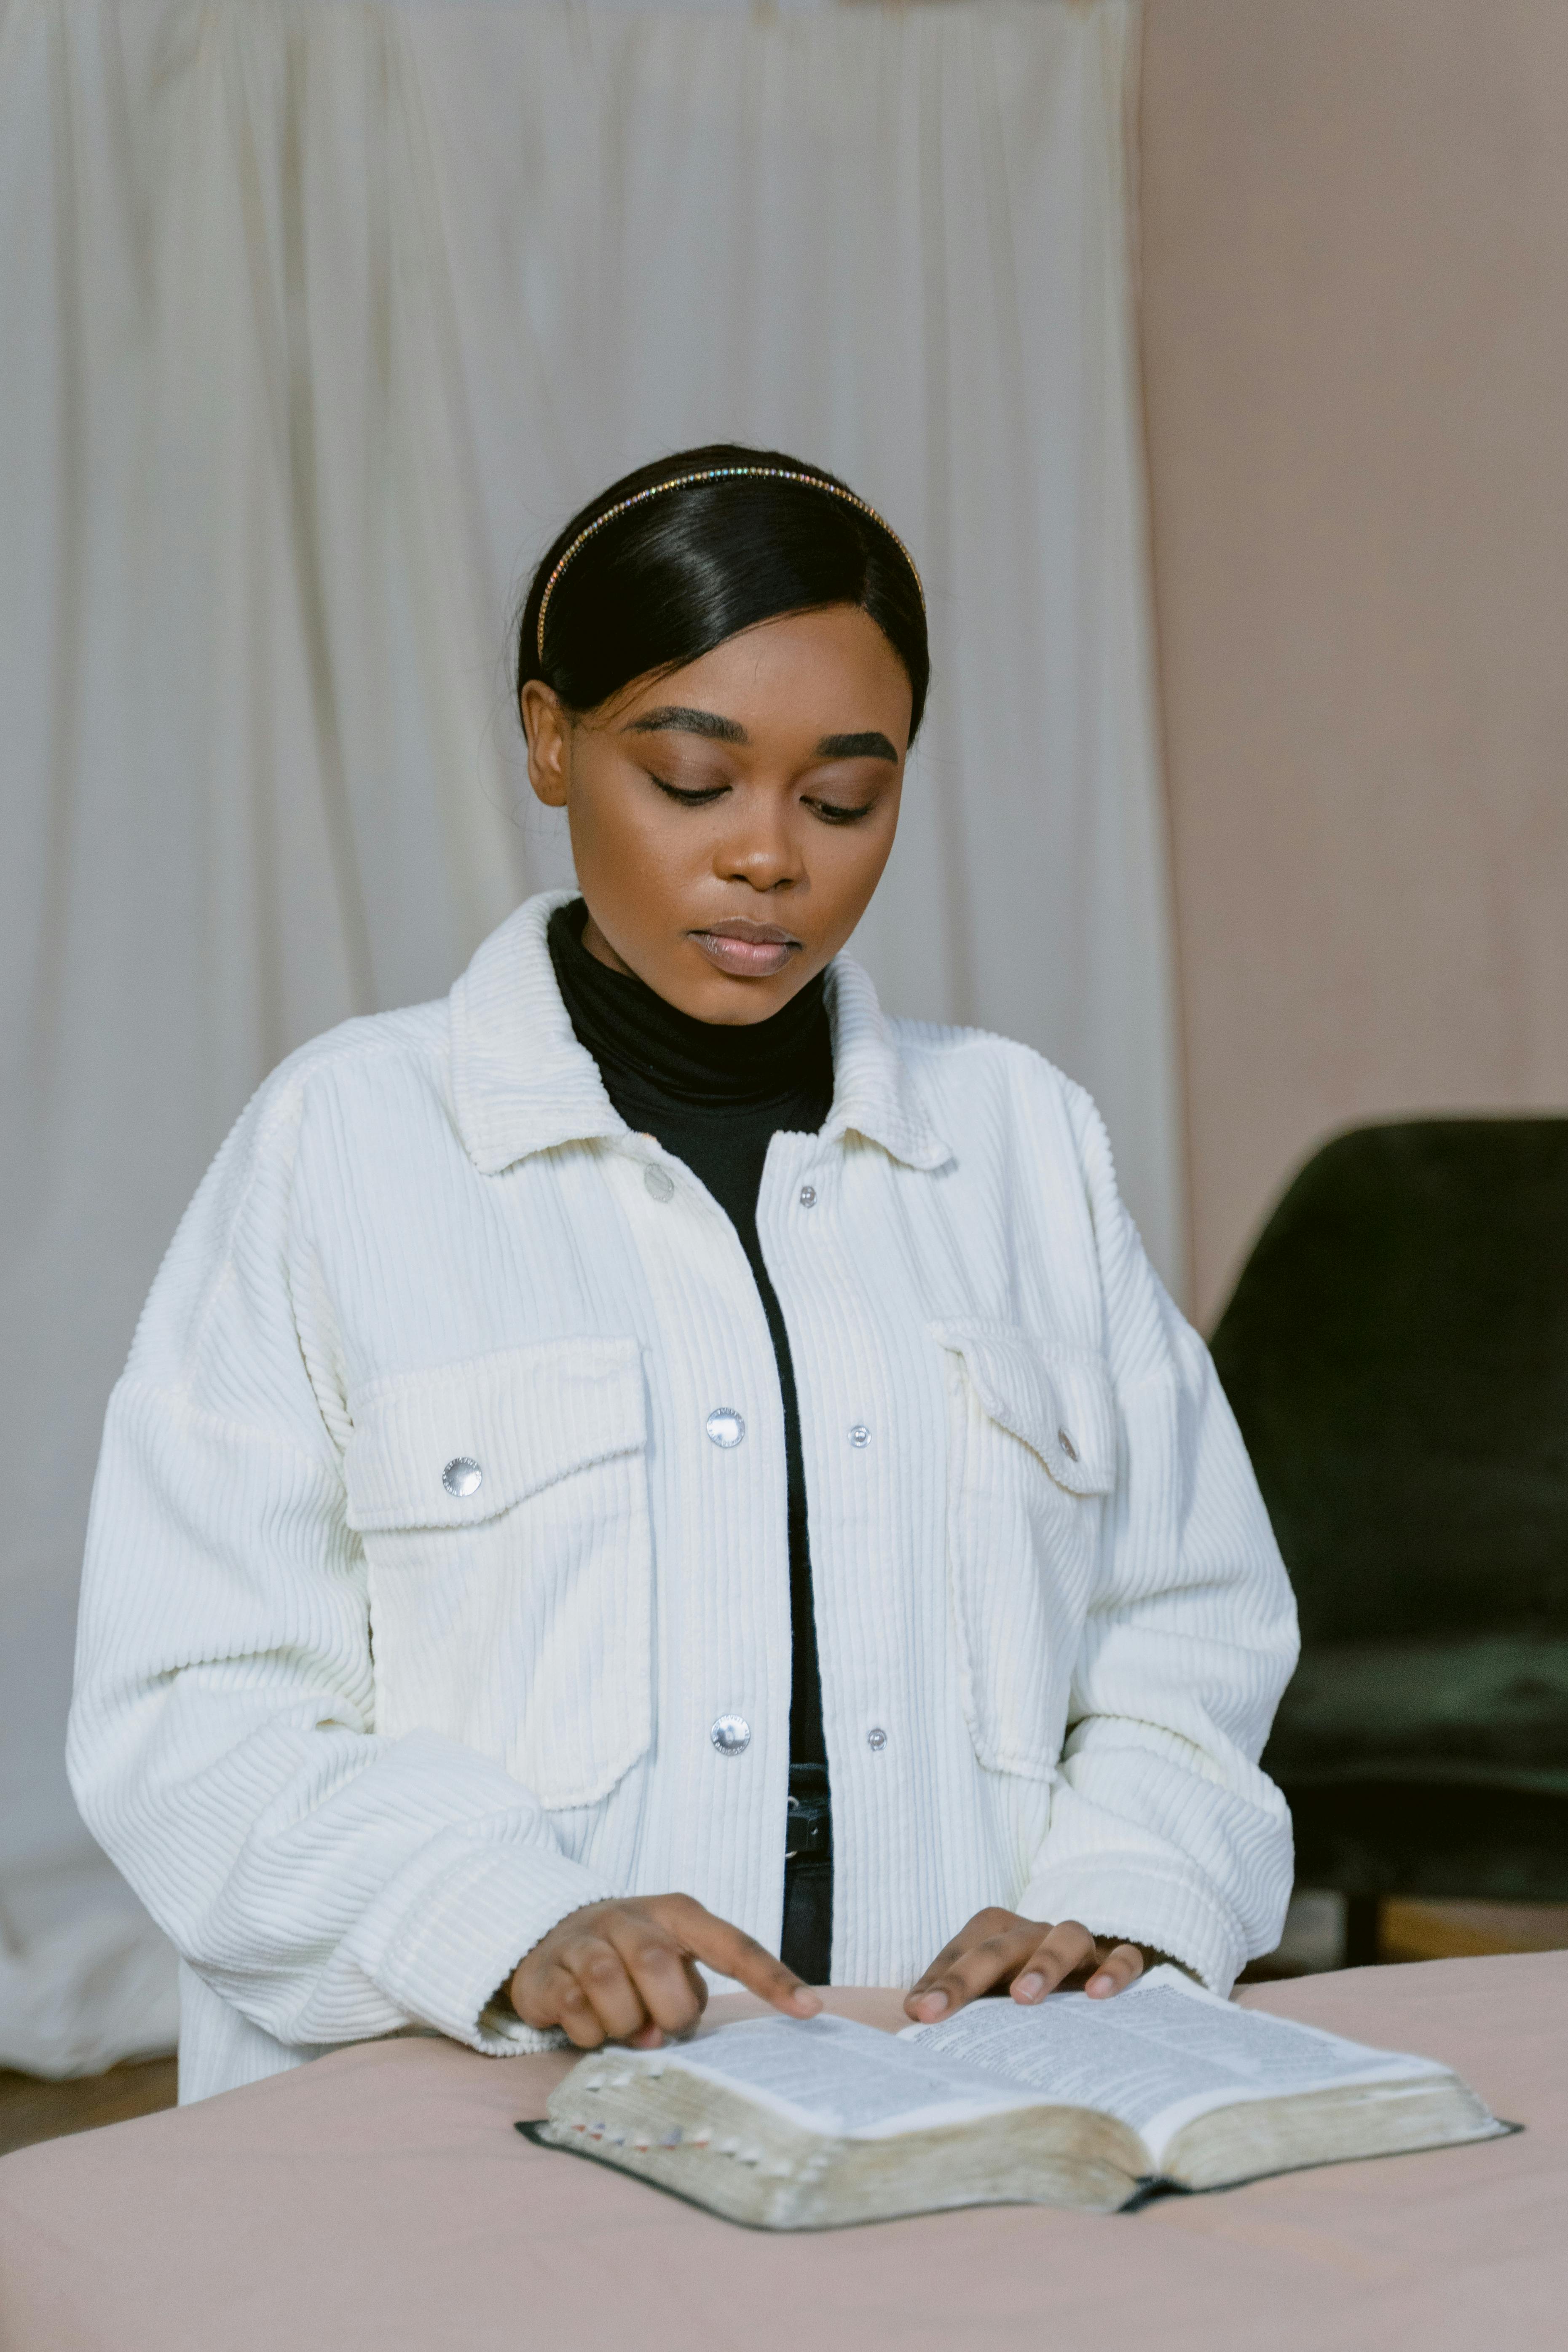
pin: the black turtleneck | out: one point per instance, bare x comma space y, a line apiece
715, 1096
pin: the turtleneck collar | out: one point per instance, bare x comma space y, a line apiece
635, 1035
522, 1083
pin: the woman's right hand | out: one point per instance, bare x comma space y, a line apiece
626, 1971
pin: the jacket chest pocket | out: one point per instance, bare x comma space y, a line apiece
1031, 1454
503, 1504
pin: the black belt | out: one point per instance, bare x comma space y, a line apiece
808, 1831
806, 1944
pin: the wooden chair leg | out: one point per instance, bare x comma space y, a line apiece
1364, 1940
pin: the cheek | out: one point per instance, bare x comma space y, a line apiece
850, 862
635, 867
617, 830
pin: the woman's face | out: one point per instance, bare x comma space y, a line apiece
730, 820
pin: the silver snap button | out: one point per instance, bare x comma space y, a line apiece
731, 1735
808, 1196
1068, 1448
859, 1435
462, 1476
725, 1426
658, 1181
876, 1737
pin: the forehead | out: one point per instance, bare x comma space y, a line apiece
812, 674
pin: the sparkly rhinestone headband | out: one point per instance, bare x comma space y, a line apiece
719, 474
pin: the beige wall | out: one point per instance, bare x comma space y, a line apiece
1355, 318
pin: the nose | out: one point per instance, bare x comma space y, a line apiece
761, 849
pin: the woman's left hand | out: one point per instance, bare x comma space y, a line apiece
1029, 1956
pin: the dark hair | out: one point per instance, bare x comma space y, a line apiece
676, 576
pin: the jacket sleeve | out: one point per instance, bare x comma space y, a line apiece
1162, 1830
327, 1883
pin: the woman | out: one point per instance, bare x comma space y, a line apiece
649, 1464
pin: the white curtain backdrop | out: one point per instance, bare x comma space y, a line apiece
315, 321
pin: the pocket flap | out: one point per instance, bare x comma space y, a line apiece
519, 1419
1058, 1401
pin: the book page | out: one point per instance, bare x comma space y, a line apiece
1155, 2055
844, 2080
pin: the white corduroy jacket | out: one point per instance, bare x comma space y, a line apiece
416, 1585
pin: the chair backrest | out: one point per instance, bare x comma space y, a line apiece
1396, 1354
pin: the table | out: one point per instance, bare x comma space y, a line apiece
381, 2199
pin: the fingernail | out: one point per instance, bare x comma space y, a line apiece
1100, 1985
1029, 1988
806, 2000
934, 2003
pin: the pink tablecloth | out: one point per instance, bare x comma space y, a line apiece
381, 2200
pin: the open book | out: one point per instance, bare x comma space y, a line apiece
810, 2125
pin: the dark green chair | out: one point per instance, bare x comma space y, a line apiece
1396, 1354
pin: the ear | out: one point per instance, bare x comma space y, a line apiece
548, 733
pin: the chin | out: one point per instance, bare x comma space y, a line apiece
735, 1003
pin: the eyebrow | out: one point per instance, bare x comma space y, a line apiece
680, 719
675, 719
870, 746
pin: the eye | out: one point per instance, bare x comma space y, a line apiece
700, 798
836, 813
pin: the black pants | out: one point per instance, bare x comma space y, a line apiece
807, 1945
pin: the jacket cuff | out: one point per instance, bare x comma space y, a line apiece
1175, 1912
467, 1934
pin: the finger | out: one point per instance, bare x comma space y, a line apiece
937, 1970
1069, 1946
995, 1961
600, 1974
659, 1972
974, 1931
537, 1990
735, 1954
652, 2036
1119, 1969
553, 1997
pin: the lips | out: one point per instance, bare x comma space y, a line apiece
746, 950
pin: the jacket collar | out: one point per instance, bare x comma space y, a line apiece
522, 1084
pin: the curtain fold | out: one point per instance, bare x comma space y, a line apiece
315, 321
